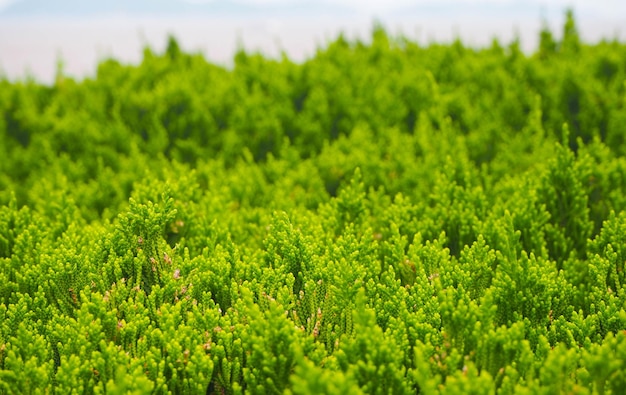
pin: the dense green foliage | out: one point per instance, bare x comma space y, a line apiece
385, 218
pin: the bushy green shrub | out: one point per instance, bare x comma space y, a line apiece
385, 218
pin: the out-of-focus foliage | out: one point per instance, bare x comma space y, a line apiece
385, 218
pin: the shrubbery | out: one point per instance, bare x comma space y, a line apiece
384, 218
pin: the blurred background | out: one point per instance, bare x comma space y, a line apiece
38, 35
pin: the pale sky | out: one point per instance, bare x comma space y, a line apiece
608, 5
33, 45
595, 8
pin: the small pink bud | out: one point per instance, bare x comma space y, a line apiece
176, 274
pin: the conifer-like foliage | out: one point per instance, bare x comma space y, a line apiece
384, 218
